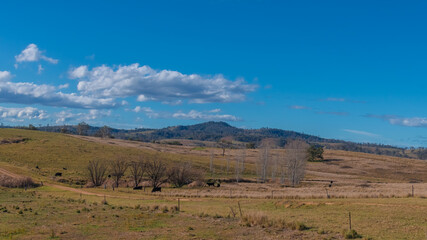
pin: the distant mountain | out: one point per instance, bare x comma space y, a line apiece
215, 131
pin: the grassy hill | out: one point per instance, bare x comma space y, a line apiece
376, 190
214, 131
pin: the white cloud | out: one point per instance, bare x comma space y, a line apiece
147, 110
40, 69
217, 110
402, 121
368, 134
166, 86
5, 76
67, 116
195, 115
19, 114
298, 107
32, 54
30, 93
79, 72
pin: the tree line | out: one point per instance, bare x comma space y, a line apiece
154, 169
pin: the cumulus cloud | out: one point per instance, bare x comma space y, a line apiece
32, 54
196, 115
30, 93
5, 76
67, 116
146, 84
363, 133
78, 72
402, 121
20, 114
147, 110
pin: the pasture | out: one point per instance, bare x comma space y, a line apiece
377, 190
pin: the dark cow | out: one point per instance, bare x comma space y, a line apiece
58, 174
137, 188
210, 183
330, 185
64, 168
213, 182
156, 189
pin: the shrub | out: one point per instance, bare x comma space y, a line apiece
351, 234
21, 182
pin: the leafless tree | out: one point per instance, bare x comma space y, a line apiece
82, 128
282, 167
211, 166
240, 164
118, 168
296, 158
96, 170
228, 163
183, 173
262, 163
156, 172
274, 166
103, 132
137, 169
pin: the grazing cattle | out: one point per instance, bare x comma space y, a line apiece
156, 189
213, 182
37, 167
58, 174
210, 183
137, 188
64, 168
330, 185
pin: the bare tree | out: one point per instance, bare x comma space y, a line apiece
96, 170
103, 132
296, 158
82, 128
211, 166
156, 172
137, 169
282, 167
240, 164
227, 163
183, 173
118, 168
262, 163
274, 167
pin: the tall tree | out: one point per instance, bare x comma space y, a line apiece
118, 168
156, 172
96, 170
82, 128
137, 169
296, 158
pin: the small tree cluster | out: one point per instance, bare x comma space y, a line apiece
182, 174
315, 153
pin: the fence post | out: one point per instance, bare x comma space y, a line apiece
349, 219
179, 205
240, 209
412, 190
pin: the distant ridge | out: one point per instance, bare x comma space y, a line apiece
214, 131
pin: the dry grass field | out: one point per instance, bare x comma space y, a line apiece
375, 189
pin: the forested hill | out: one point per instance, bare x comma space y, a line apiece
215, 131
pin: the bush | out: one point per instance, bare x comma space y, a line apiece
22, 182
351, 234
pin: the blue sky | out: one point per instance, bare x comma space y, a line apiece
352, 70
